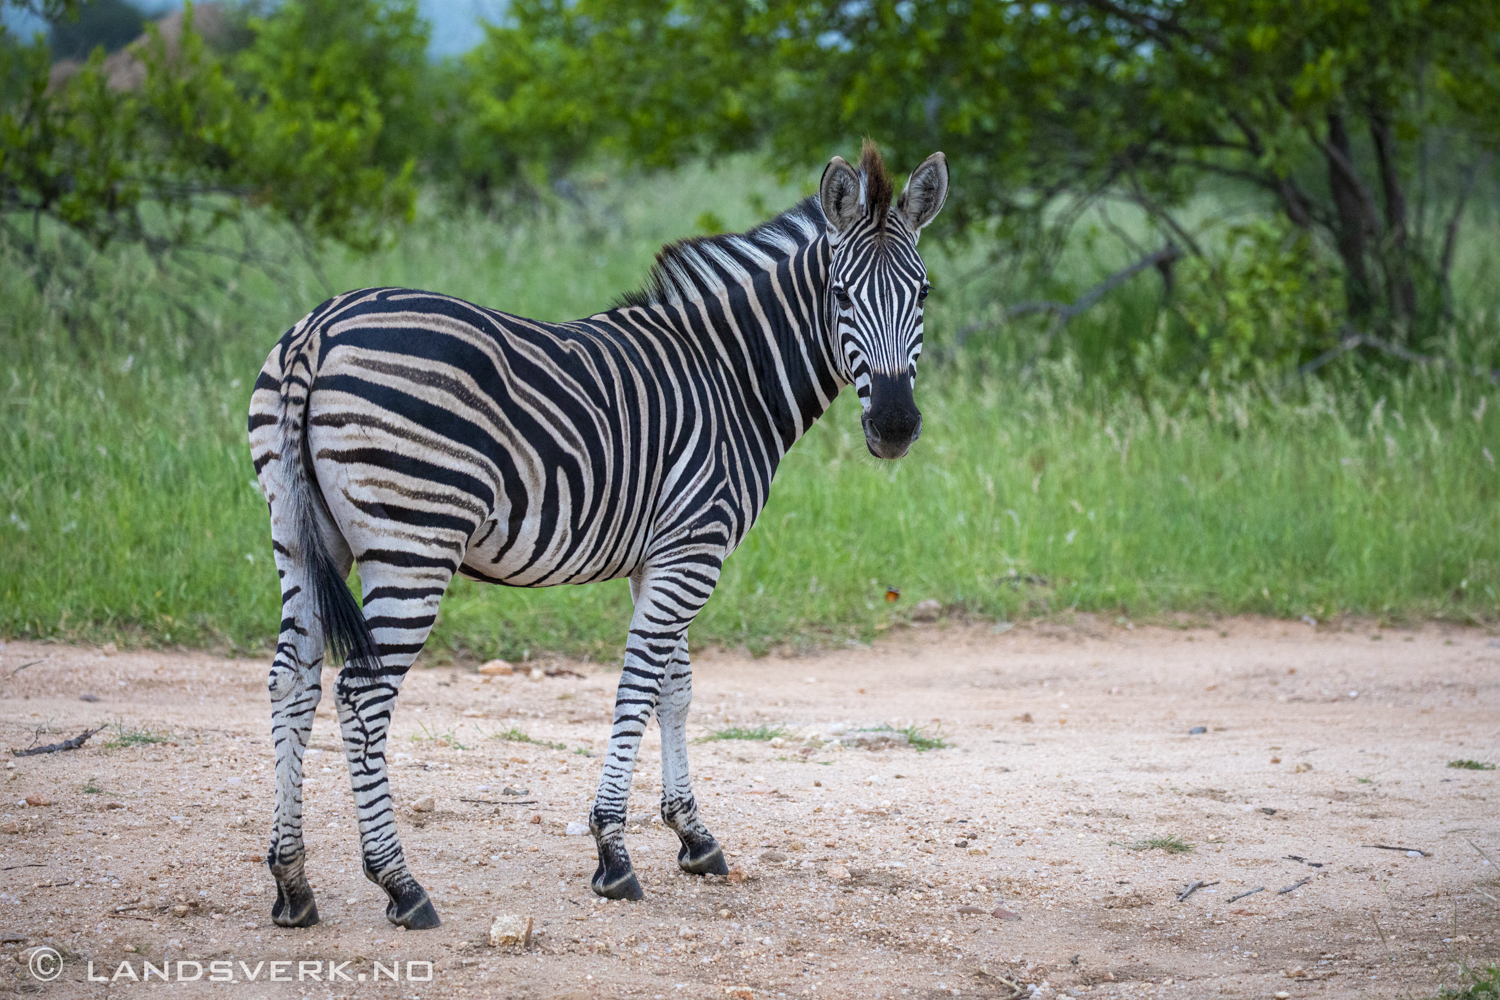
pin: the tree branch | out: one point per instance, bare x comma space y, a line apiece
1064, 311
1354, 338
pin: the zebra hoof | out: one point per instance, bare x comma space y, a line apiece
294, 906
625, 886
412, 909
708, 861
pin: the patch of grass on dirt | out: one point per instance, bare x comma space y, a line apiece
1471, 765
449, 739
92, 787
917, 737
742, 733
514, 735
133, 737
1484, 983
1171, 843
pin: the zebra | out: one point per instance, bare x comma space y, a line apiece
417, 436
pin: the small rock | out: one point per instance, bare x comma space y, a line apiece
424, 805
252, 856
837, 729
739, 993
978, 852
1197, 730
497, 668
1282, 995
777, 743
838, 873
1297, 973
1024, 717
510, 929
114, 805
537, 674
973, 910
180, 910
577, 829
773, 857
1001, 913
109, 649
1302, 768
10, 826
960, 843
687, 933
927, 611
1415, 854
736, 876
38, 800
508, 790
88, 697
1268, 810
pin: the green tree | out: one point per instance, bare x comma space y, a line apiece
312, 124
1363, 123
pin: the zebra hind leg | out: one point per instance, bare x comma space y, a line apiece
295, 691
400, 606
700, 853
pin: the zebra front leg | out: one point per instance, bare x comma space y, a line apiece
295, 692
640, 686
700, 853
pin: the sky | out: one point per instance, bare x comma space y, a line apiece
455, 23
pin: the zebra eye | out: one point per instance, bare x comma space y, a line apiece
922, 295
844, 301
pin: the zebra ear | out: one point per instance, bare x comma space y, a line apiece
925, 192
839, 194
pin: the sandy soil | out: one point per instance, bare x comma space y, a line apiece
853, 866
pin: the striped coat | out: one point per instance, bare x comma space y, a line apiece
417, 436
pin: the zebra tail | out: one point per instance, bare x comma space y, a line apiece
346, 633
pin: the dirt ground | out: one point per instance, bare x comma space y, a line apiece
859, 873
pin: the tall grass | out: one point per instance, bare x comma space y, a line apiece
128, 509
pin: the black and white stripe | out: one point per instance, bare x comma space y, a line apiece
419, 436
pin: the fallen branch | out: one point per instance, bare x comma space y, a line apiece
1259, 888
1200, 884
29, 864
501, 802
1294, 885
1407, 850
1354, 338
72, 744
1064, 311
23, 667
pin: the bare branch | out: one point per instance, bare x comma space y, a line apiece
1064, 311
1354, 338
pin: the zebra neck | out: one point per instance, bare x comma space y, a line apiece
783, 321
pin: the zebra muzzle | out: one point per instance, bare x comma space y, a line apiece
892, 423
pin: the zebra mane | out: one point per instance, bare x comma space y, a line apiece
692, 268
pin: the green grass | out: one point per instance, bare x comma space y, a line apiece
1471, 765
742, 733
128, 510
132, 736
1484, 984
514, 735
916, 737
92, 787
1171, 843
448, 739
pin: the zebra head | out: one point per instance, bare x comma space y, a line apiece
876, 286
